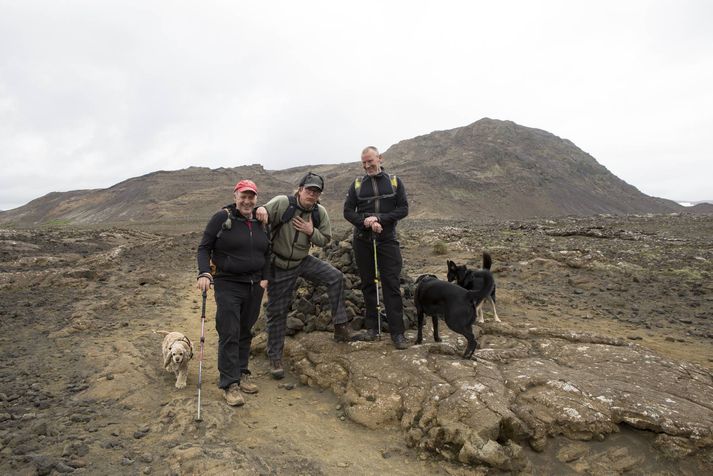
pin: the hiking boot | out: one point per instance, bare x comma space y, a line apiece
400, 342
233, 396
369, 335
247, 383
276, 369
342, 333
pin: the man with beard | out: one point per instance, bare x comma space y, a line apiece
297, 223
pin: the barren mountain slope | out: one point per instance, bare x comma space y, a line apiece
488, 170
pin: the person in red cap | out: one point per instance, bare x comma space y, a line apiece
239, 248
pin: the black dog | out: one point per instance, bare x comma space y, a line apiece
455, 304
475, 280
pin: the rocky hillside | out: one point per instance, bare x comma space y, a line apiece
488, 170
501, 169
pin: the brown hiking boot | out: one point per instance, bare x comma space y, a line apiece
342, 333
276, 369
233, 396
247, 383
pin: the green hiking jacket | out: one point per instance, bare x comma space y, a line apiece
287, 252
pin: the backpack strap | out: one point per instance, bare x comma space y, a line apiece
231, 211
359, 180
286, 216
228, 223
316, 220
290, 212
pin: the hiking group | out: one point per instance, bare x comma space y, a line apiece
247, 249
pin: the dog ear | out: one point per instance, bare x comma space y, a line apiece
167, 358
451, 264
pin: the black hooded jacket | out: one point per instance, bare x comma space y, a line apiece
241, 253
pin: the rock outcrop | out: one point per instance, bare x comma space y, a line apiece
521, 388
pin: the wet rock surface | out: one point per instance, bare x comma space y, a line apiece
601, 366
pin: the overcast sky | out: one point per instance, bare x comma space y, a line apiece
95, 92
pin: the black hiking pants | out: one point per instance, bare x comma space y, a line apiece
238, 307
388, 256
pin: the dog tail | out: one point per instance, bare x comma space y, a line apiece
163, 333
483, 290
487, 260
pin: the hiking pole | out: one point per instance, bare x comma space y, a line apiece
200, 357
377, 281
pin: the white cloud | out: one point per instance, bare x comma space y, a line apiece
92, 93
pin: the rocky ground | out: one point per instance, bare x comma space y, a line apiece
601, 366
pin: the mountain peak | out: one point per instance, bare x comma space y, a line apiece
491, 169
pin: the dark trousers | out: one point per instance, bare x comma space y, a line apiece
388, 256
238, 307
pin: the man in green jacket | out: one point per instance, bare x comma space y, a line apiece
293, 231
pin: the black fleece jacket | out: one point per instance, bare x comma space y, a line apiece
376, 197
240, 254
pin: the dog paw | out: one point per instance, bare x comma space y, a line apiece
418, 341
437, 339
180, 384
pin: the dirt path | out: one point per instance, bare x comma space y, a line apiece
290, 427
82, 388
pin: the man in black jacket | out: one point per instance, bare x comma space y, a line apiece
239, 247
374, 204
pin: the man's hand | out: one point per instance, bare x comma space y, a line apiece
369, 221
305, 227
263, 283
376, 227
261, 215
203, 284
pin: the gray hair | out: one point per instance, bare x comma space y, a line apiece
368, 148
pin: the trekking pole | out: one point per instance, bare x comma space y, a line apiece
200, 357
377, 281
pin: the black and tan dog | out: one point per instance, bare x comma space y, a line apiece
454, 303
472, 280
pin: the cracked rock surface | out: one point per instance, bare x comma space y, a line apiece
483, 411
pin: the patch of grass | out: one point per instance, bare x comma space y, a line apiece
689, 274
440, 248
57, 223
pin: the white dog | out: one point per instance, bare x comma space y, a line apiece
177, 350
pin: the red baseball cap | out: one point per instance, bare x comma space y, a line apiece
245, 186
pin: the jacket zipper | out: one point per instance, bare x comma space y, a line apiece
375, 187
252, 246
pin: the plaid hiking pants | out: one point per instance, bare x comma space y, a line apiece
279, 297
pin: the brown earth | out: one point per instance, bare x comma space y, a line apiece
82, 388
